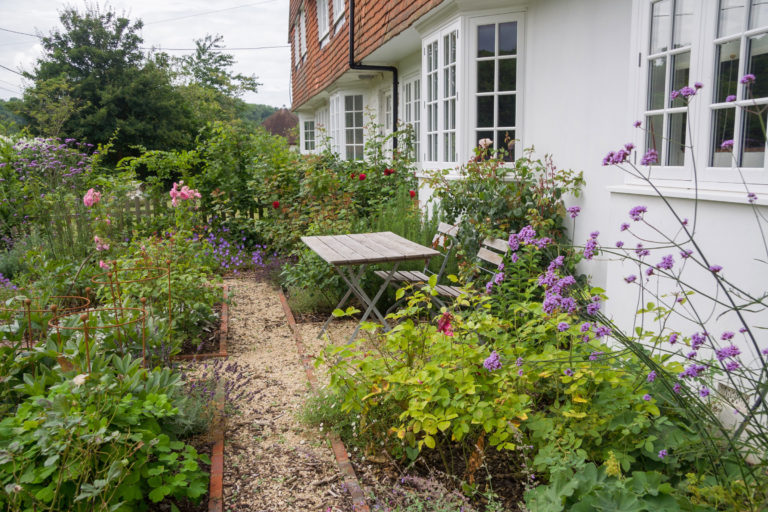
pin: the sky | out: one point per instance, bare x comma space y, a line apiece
167, 24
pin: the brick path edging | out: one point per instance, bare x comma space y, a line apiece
339, 450
216, 489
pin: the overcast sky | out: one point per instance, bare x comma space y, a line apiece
167, 24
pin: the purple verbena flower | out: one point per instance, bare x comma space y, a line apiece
662, 454
727, 144
732, 365
677, 387
624, 226
667, 262
727, 335
651, 157
594, 355
751, 197
630, 278
574, 211
730, 98
727, 352
637, 124
492, 362
651, 376
619, 244
673, 338
568, 372
586, 326
704, 392
637, 212
715, 268
747, 79
687, 92
647, 397
563, 326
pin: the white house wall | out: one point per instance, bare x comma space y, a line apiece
581, 93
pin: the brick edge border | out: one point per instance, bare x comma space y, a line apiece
339, 450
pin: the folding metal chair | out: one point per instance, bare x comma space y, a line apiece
443, 241
490, 256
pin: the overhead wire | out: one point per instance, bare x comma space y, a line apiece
208, 12
11, 70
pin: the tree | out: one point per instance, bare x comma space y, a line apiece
210, 67
98, 57
49, 105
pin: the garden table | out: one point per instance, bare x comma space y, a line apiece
351, 254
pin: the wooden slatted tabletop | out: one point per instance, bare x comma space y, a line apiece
356, 249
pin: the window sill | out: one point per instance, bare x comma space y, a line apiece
717, 195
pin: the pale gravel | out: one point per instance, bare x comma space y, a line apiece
272, 463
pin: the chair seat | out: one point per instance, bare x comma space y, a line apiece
404, 276
448, 291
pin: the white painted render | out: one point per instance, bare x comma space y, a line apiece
582, 88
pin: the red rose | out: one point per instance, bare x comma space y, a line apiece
275, 204
353, 175
362, 176
412, 193
387, 172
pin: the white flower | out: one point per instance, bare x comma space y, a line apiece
80, 379
485, 143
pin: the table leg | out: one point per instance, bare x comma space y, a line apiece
343, 299
371, 303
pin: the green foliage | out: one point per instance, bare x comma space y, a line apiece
494, 198
209, 67
94, 442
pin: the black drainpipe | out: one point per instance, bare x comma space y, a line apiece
357, 65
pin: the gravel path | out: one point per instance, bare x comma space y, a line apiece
271, 462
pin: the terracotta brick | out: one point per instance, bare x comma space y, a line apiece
376, 22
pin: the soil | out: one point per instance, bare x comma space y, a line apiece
272, 463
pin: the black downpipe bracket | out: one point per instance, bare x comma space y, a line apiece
357, 65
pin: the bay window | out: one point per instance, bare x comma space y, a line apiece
412, 112
440, 56
346, 120
495, 83
716, 42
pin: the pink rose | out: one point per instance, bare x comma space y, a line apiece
91, 197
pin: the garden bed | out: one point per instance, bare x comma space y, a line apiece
214, 345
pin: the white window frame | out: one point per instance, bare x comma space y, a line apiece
308, 135
339, 127
303, 32
470, 139
703, 69
338, 14
322, 21
296, 46
411, 110
437, 126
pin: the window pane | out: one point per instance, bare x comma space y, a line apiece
507, 74
731, 18
350, 137
506, 140
757, 64
349, 103
486, 40
485, 69
349, 119
726, 70
484, 111
683, 23
359, 102
508, 38
660, 26
656, 91
753, 141
758, 17
722, 130
654, 126
676, 139
358, 119
681, 67
507, 110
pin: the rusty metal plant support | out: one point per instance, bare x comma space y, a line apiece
86, 329
30, 305
115, 285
